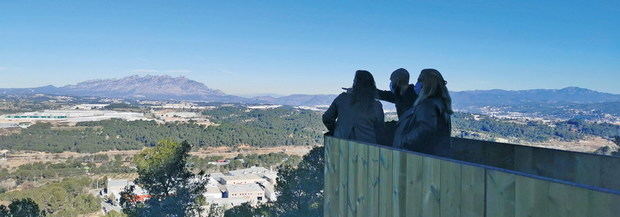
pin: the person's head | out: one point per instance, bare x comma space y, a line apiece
431, 84
364, 88
399, 80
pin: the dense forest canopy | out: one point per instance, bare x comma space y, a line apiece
236, 125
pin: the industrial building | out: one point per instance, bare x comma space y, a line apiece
254, 185
73, 116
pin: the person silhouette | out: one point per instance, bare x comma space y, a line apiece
426, 127
356, 114
401, 93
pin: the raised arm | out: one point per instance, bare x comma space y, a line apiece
385, 95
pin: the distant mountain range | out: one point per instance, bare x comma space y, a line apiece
181, 88
137, 87
573, 95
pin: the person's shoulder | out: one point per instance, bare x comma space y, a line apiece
343, 95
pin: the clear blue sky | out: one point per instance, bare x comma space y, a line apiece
283, 47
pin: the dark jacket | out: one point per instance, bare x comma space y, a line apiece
349, 122
425, 128
403, 102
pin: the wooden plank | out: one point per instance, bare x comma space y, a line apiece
415, 195
500, 155
500, 196
351, 179
563, 166
402, 185
531, 197
374, 166
610, 173
385, 183
343, 148
398, 183
588, 170
363, 207
524, 160
334, 177
431, 182
450, 191
328, 172
472, 191
603, 204
565, 200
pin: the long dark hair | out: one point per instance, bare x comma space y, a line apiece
364, 90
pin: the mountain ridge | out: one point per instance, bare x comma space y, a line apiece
165, 87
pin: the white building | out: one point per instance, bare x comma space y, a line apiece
240, 179
114, 188
251, 192
73, 116
90, 106
251, 185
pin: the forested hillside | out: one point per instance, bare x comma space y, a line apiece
530, 131
234, 125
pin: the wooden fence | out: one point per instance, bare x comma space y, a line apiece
371, 180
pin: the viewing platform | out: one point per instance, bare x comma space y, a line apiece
479, 179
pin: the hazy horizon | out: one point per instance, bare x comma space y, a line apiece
313, 48
263, 94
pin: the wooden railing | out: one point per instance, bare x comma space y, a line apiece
480, 179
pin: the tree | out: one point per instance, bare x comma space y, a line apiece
302, 187
163, 172
4, 211
114, 214
21, 208
215, 211
301, 191
243, 210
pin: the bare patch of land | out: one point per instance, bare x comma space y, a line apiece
14, 159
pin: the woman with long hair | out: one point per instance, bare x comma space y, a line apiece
426, 127
355, 114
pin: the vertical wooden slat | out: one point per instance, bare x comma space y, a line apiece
402, 185
610, 173
524, 160
415, 194
588, 170
363, 207
374, 166
603, 204
450, 192
563, 166
328, 172
472, 191
431, 183
500, 196
363, 180
385, 183
334, 179
343, 148
396, 179
352, 179
565, 200
531, 197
